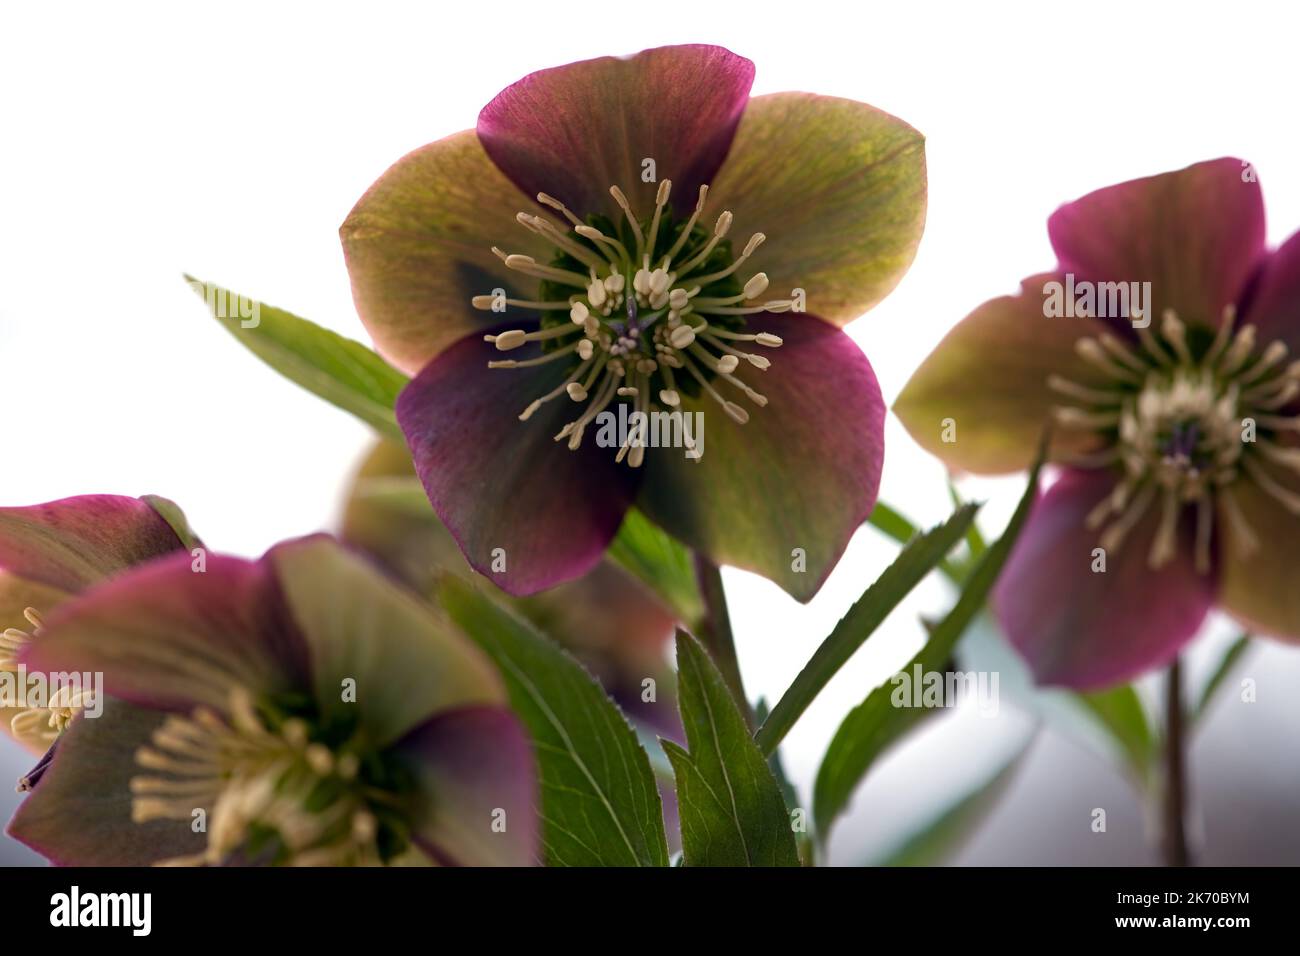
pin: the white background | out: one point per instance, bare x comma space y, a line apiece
230, 140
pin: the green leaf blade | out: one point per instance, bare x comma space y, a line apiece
660, 562
343, 372
730, 804
952, 828
875, 723
922, 554
1225, 666
600, 804
1120, 713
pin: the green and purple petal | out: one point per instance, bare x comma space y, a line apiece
802, 473
1258, 578
1087, 629
405, 658
526, 511
573, 131
80, 814
418, 247
1197, 235
478, 783
980, 402
839, 190
171, 637
74, 543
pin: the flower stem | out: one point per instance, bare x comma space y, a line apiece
1174, 837
716, 632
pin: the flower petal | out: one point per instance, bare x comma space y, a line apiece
1275, 305
73, 543
980, 401
1086, 629
839, 190
575, 130
1197, 235
80, 812
1258, 584
801, 473
405, 658
509, 493
171, 637
419, 244
479, 778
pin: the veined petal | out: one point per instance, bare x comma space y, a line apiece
573, 131
478, 779
73, 543
1197, 235
172, 637
801, 473
419, 244
405, 658
526, 511
981, 400
80, 812
839, 190
1083, 628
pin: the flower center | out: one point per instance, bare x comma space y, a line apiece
268, 791
1185, 421
644, 310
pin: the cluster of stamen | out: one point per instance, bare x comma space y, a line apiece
1185, 424
650, 316
265, 791
39, 726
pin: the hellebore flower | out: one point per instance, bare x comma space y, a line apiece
1176, 413
49, 553
302, 707
610, 621
623, 291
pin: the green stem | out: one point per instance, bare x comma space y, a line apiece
716, 632
1174, 792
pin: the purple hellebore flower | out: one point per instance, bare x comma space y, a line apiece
305, 708
1176, 415
48, 554
623, 291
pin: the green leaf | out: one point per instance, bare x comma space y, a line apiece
337, 369
922, 554
600, 805
956, 823
728, 799
1119, 711
893, 524
661, 562
1226, 664
974, 539
876, 723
